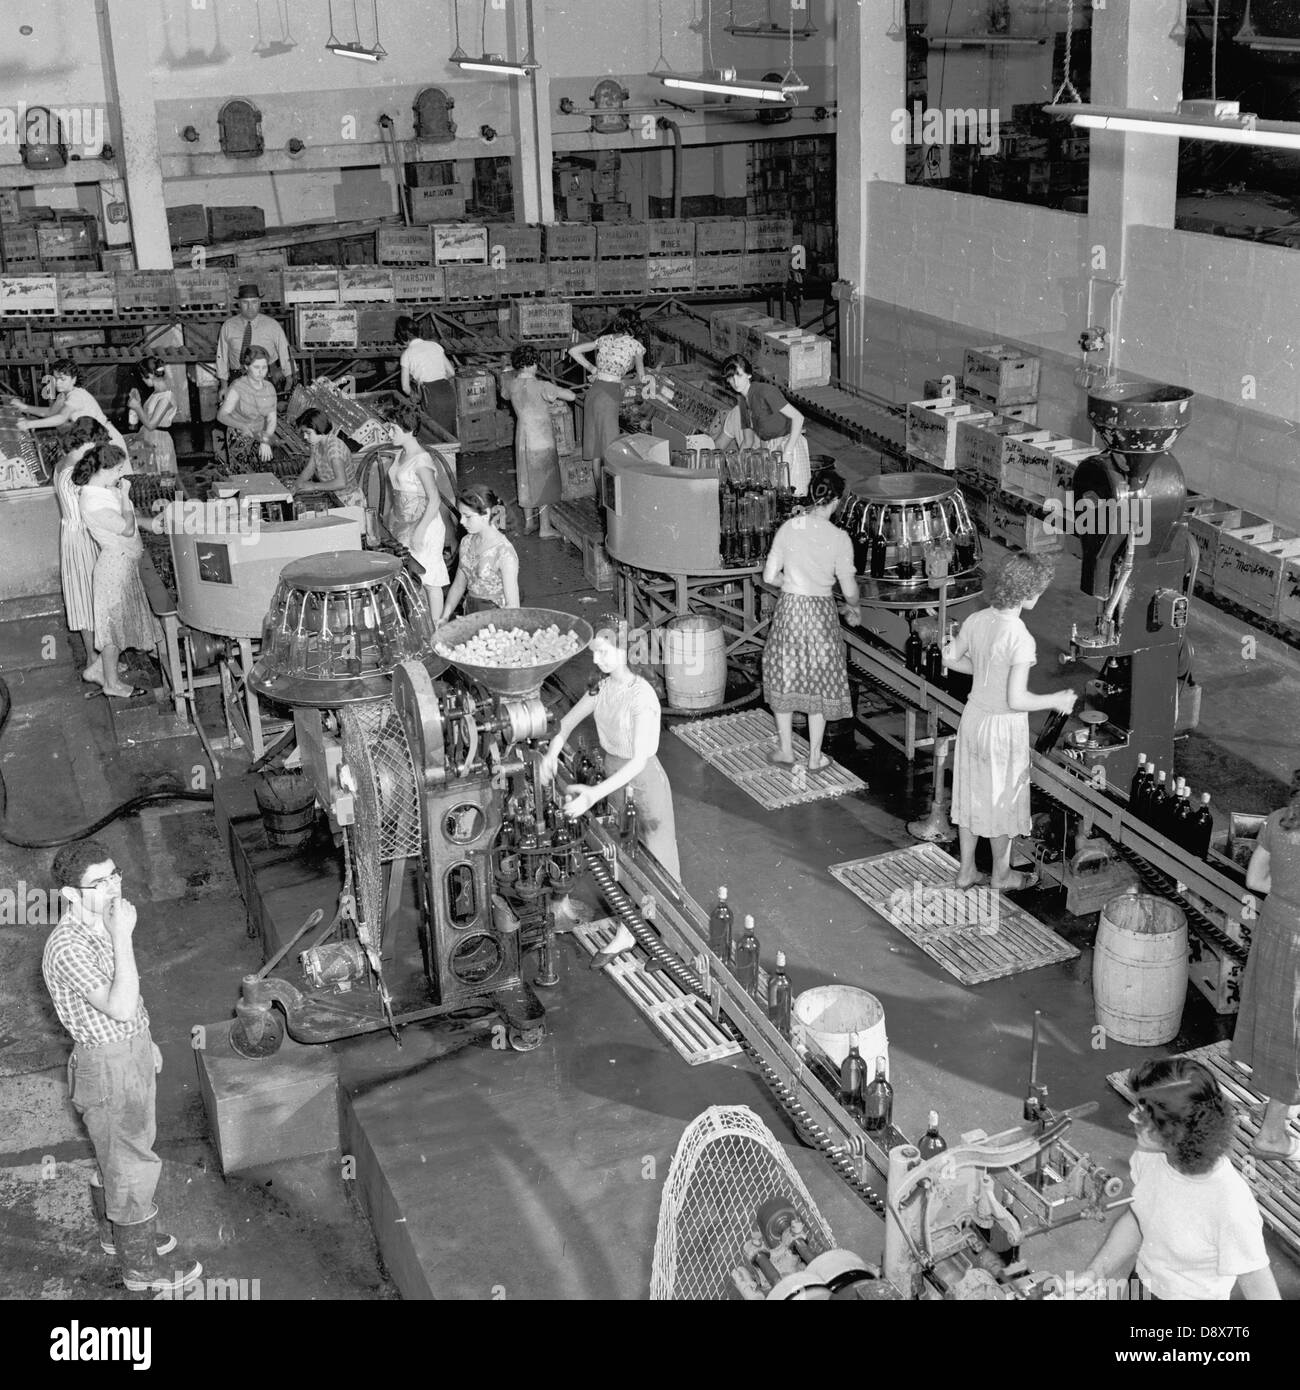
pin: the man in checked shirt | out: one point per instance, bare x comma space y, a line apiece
90, 971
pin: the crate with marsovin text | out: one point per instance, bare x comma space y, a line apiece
404, 246
532, 319
573, 277
433, 204
202, 289
765, 268
615, 240
1248, 566
1001, 375
932, 430
570, 241
514, 242
146, 292
769, 234
666, 237
419, 284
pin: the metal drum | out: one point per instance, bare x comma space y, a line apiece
909, 530
338, 625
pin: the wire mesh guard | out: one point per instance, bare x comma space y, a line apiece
727, 1164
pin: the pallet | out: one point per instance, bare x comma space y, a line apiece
1276, 1186
681, 1019
737, 745
975, 936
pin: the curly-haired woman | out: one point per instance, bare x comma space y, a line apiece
248, 415
1267, 1039
990, 777
1193, 1228
619, 349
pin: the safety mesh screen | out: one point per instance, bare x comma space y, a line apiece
727, 1165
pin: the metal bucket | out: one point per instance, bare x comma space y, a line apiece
831, 1016
1139, 970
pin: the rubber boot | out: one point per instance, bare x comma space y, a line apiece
99, 1204
142, 1269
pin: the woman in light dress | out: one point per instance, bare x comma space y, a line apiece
152, 450
123, 619
415, 517
71, 402
77, 549
990, 776
537, 461
488, 573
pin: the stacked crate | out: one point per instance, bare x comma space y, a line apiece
401, 246
20, 248
462, 252
570, 258
68, 243
515, 255
670, 252
607, 201
932, 430
1001, 377
768, 242
719, 253
621, 249
477, 427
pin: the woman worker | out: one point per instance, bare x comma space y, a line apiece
990, 775
803, 661
1268, 1027
415, 516
537, 460
1194, 1228
330, 463
152, 448
627, 716
77, 549
72, 402
427, 374
619, 349
122, 615
764, 419
248, 414
488, 573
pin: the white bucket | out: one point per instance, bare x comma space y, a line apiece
832, 1015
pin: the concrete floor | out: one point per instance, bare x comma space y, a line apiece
525, 1175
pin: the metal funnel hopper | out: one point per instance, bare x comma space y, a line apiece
1139, 417
510, 682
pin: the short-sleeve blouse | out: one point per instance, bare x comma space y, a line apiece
624, 710
615, 354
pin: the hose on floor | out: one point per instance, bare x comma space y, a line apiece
686, 978
125, 809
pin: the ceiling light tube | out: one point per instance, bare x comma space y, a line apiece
495, 65
734, 89
1245, 131
354, 50
985, 40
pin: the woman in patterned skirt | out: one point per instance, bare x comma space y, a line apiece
123, 618
330, 463
990, 775
488, 573
248, 414
1268, 1027
803, 662
77, 549
627, 715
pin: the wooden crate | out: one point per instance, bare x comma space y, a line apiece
1005, 376
577, 477
719, 236
471, 282
1216, 974
621, 277
310, 284
769, 234
93, 292
980, 448
1011, 526
365, 284
207, 289
1288, 599
145, 291
462, 244
597, 567
797, 361
616, 239
269, 1110
423, 285
932, 430
433, 204
720, 272
1032, 454
570, 241
541, 318
667, 237
403, 246
1249, 564
571, 277
321, 326
514, 243
766, 267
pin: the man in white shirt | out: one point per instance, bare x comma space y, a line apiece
252, 328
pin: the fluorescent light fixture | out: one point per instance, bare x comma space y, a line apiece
355, 50
726, 84
1229, 126
985, 40
493, 62
768, 31
1272, 45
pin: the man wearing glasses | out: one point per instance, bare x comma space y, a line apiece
90, 971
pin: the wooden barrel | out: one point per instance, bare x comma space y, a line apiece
695, 662
1139, 970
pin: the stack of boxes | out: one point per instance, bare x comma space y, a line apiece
515, 254
794, 359
621, 249
670, 256
570, 258
607, 202
432, 193
719, 253
767, 250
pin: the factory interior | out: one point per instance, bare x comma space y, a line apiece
469, 830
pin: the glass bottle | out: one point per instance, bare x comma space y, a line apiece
631, 819
934, 661
778, 997
746, 967
879, 551
1201, 832
1158, 805
720, 923
878, 1101
1138, 787
932, 1142
913, 652
853, 1076
1184, 817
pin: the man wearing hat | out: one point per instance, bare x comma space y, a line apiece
252, 328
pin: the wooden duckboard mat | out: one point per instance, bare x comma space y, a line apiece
958, 931
680, 1018
1276, 1185
737, 745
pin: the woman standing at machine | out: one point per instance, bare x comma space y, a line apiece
765, 419
619, 349
77, 549
627, 716
488, 573
427, 374
152, 450
803, 661
537, 461
248, 414
71, 402
330, 462
415, 518
990, 776
1267, 1038
123, 618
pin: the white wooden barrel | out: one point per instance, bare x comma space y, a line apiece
1139, 969
695, 662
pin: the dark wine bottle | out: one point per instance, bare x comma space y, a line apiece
1184, 818
853, 1076
1158, 804
1138, 787
932, 1142
879, 553
934, 662
720, 924
913, 652
778, 997
746, 967
1201, 833
878, 1101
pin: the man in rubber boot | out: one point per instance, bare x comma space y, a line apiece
90, 971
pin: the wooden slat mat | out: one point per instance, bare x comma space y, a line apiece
1276, 1185
976, 936
681, 1018
737, 745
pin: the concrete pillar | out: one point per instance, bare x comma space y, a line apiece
530, 106
1132, 179
126, 45
870, 72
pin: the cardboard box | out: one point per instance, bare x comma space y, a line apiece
1249, 565
570, 242
541, 318
622, 239
311, 284
326, 326
1003, 375
187, 225
425, 285
404, 246
466, 244
516, 243
932, 430
719, 236
235, 223
365, 284
669, 238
